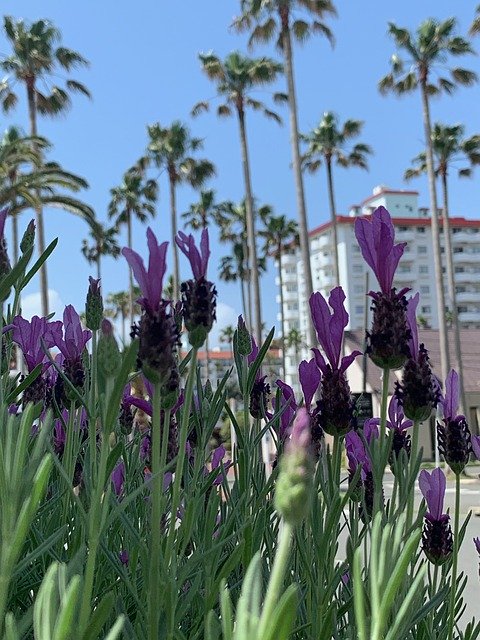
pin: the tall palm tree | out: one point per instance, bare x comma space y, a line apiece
232, 268
278, 233
35, 61
226, 334
104, 243
427, 50
202, 212
118, 305
135, 197
281, 20
235, 78
170, 148
449, 146
475, 26
232, 222
327, 143
25, 182
294, 340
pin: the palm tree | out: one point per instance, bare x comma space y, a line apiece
279, 20
35, 60
200, 213
449, 146
327, 143
135, 197
475, 26
118, 305
170, 149
294, 340
430, 47
236, 77
278, 233
231, 219
22, 187
104, 244
226, 334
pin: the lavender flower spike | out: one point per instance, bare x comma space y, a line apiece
454, 437
149, 280
437, 533
29, 336
376, 239
476, 446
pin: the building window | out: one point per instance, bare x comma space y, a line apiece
359, 309
462, 309
403, 228
356, 248
459, 269
357, 268
421, 249
358, 288
456, 230
457, 249
425, 289
423, 268
420, 229
426, 309
404, 268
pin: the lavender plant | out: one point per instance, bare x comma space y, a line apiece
120, 518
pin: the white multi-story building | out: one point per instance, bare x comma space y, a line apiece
416, 268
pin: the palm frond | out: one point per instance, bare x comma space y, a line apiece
464, 77
301, 30
263, 33
199, 108
323, 30
272, 115
280, 98
78, 87
224, 110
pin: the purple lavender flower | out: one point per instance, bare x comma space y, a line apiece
437, 533
198, 295
72, 344
123, 557
397, 423
418, 391
29, 335
310, 376
454, 438
287, 397
118, 478
335, 409
217, 462
388, 339
358, 455
157, 331
149, 280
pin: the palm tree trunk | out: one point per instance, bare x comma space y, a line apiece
442, 325
244, 301
297, 168
207, 341
99, 268
282, 310
173, 221
40, 232
452, 294
333, 218
122, 313
130, 272
251, 240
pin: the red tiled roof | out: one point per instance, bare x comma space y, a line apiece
227, 355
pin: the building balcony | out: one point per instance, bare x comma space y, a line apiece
460, 238
469, 316
459, 258
466, 277
404, 236
468, 296
402, 278
324, 241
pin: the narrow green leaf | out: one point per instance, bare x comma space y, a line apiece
100, 616
38, 263
283, 616
65, 625
256, 364
26, 382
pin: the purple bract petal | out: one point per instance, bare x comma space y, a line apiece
151, 281
452, 394
330, 325
254, 352
309, 375
118, 478
357, 454
287, 398
396, 416
370, 429
29, 336
376, 239
476, 542
300, 437
348, 359
433, 485
476, 446
198, 259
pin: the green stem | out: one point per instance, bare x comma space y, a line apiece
384, 406
1, 353
413, 460
380, 467
92, 424
182, 441
451, 620
275, 584
157, 493
337, 461
95, 524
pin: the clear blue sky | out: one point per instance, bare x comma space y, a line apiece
144, 68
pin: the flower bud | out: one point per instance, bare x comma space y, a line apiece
108, 353
28, 239
244, 339
294, 484
199, 304
94, 305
